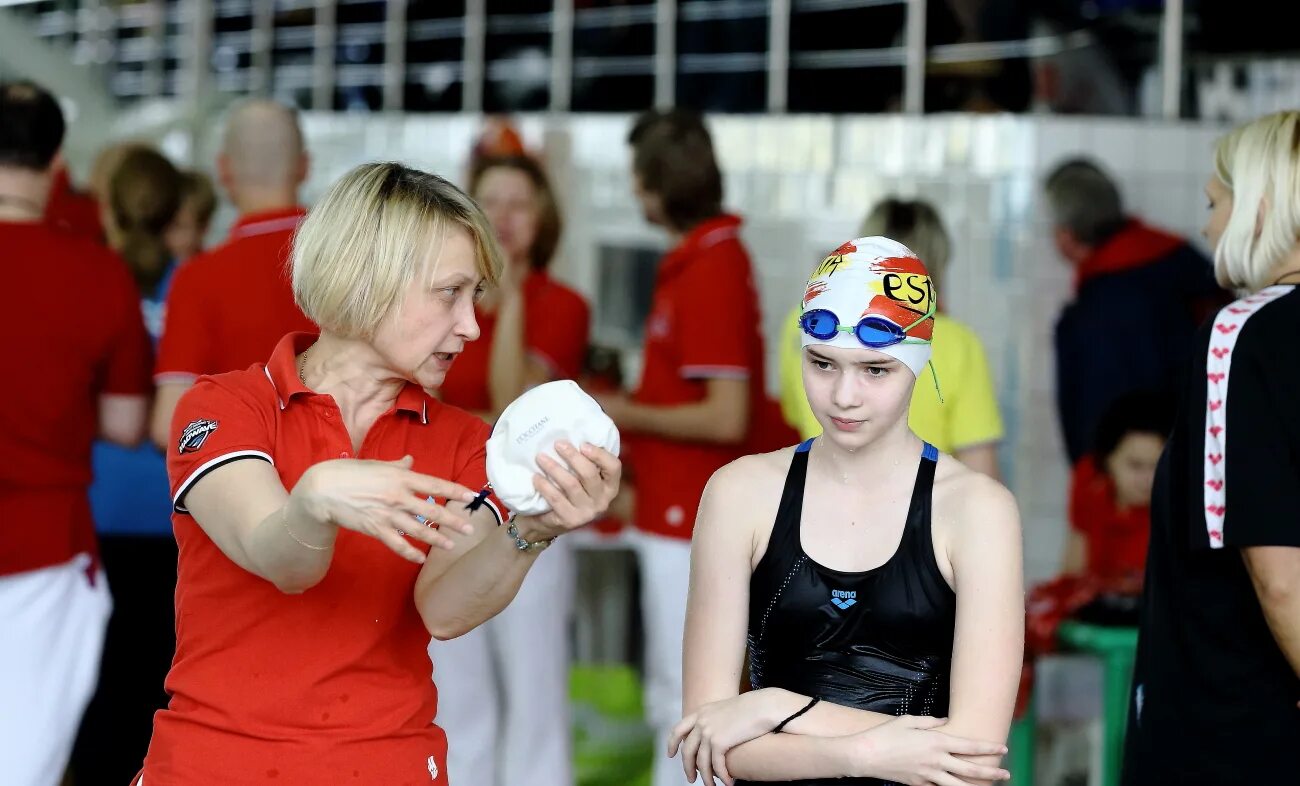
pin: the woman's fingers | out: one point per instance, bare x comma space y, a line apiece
397, 543
403, 525
689, 750
565, 514
961, 746
944, 779
429, 486
972, 771
563, 479
720, 766
586, 470
679, 733
610, 466
433, 513
704, 762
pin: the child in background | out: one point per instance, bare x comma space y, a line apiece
1110, 521
1110, 490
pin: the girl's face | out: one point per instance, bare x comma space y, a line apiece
856, 394
1132, 467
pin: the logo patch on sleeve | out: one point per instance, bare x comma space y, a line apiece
195, 434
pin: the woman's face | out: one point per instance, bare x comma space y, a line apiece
435, 319
509, 199
1132, 467
856, 394
1220, 203
184, 236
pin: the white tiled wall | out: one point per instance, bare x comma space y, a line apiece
804, 183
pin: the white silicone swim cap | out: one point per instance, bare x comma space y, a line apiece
532, 424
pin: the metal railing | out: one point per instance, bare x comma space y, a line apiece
184, 30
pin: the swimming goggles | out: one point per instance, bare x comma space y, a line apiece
874, 332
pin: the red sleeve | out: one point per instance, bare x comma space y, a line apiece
126, 367
716, 313
558, 336
215, 423
471, 465
1089, 496
182, 350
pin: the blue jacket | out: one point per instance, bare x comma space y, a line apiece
1129, 330
130, 494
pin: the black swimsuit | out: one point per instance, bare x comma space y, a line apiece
878, 640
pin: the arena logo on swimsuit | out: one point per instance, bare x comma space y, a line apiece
843, 599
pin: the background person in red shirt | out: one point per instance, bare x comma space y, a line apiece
83, 376
184, 236
506, 725
130, 504
701, 382
1110, 526
72, 210
1110, 490
305, 497
228, 308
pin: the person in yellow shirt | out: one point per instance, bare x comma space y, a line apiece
966, 423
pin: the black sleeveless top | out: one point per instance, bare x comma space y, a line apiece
878, 640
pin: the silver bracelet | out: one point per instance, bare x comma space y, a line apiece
523, 545
284, 519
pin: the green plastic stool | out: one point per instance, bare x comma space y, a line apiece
612, 746
1116, 647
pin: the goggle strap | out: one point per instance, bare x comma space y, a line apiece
929, 312
935, 376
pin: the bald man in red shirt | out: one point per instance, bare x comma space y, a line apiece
228, 307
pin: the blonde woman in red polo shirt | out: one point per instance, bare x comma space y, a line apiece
308, 580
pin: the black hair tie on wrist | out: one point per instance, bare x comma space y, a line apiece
780, 726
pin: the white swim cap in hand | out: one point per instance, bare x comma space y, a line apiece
531, 425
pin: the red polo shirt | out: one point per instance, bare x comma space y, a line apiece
556, 325
70, 317
1116, 538
329, 686
703, 324
229, 306
73, 211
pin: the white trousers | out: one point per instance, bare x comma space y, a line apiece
665, 565
52, 624
503, 688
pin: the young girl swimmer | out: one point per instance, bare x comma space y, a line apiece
875, 582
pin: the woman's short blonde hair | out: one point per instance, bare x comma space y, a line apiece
362, 245
916, 224
1259, 162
